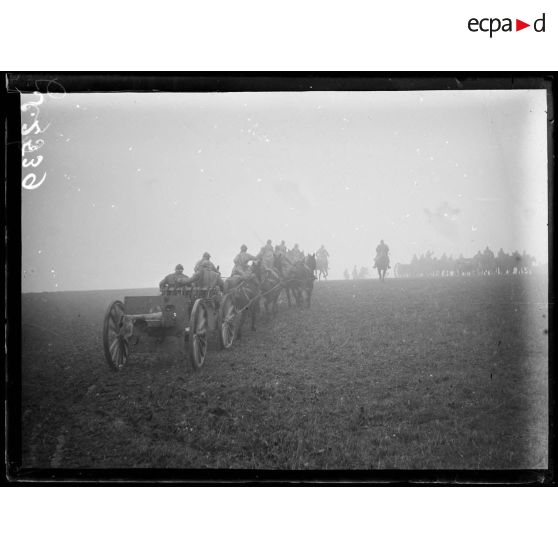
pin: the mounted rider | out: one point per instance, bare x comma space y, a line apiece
241, 261
322, 253
266, 255
296, 255
488, 253
281, 248
242, 274
382, 252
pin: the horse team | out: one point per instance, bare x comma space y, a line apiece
482, 263
262, 286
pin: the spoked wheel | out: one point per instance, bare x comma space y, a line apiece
227, 322
197, 336
115, 340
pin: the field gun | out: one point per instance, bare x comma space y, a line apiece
188, 313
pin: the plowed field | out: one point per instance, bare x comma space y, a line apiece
408, 374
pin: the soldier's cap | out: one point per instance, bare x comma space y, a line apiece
244, 247
269, 241
179, 266
206, 255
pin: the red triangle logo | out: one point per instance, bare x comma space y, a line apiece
519, 25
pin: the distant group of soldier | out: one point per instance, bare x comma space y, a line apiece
482, 263
266, 256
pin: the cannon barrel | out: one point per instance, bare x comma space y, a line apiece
154, 319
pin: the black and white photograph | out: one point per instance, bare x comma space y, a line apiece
285, 280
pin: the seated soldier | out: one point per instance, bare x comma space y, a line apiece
201, 269
205, 263
175, 280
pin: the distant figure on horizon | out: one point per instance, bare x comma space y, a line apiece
346, 275
322, 252
322, 263
355, 272
382, 253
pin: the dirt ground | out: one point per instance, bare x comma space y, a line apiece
406, 374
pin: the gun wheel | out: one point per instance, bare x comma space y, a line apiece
115, 341
227, 322
197, 337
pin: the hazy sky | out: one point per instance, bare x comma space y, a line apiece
137, 183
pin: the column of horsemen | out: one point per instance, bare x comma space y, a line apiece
261, 276
484, 263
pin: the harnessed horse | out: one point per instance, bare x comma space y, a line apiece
270, 286
245, 291
284, 266
297, 278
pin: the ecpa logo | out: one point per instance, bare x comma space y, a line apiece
492, 25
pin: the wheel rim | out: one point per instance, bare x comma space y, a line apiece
198, 344
228, 324
115, 342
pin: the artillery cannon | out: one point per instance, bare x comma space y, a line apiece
187, 313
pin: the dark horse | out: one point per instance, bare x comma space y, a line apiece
270, 286
297, 278
382, 264
245, 291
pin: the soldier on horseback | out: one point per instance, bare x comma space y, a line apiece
281, 248
322, 256
241, 261
296, 255
382, 252
266, 255
243, 285
322, 252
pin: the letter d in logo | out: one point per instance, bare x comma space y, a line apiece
539, 24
